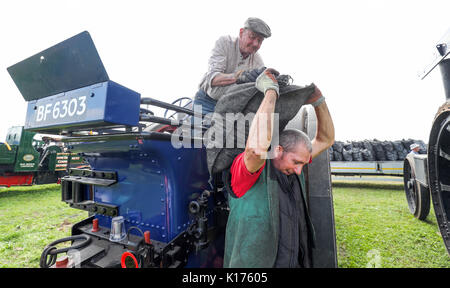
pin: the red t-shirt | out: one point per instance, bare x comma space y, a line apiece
241, 179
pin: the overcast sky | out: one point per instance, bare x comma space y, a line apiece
364, 55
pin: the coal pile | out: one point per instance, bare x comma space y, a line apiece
373, 150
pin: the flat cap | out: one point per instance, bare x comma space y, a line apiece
258, 26
413, 146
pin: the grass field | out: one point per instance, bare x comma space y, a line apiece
31, 218
373, 226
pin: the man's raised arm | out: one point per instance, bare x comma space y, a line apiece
260, 134
325, 128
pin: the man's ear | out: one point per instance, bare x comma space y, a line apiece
241, 31
278, 151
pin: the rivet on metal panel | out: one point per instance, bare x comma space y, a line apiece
162, 213
153, 226
157, 226
163, 228
179, 227
162, 199
163, 236
179, 158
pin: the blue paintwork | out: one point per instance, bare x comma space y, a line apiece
156, 182
100, 104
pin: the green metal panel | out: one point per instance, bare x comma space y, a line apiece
76, 159
64, 160
61, 162
27, 157
7, 156
54, 152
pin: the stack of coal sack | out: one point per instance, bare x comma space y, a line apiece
373, 150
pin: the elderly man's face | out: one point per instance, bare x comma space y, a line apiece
292, 162
249, 42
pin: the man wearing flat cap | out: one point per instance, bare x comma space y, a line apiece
414, 148
233, 60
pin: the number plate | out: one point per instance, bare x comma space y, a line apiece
96, 105
61, 111
66, 108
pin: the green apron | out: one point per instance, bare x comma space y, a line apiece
251, 239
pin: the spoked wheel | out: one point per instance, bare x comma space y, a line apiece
417, 195
439, 170
182, 102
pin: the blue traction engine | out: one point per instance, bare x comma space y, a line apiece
150, 197
151, 203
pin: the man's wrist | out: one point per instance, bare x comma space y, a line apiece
318, 101
272, 91
237, 74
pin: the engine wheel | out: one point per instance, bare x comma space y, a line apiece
417, 195
439, 170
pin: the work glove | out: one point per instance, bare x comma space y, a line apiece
266, 80
316, 98
245, 76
